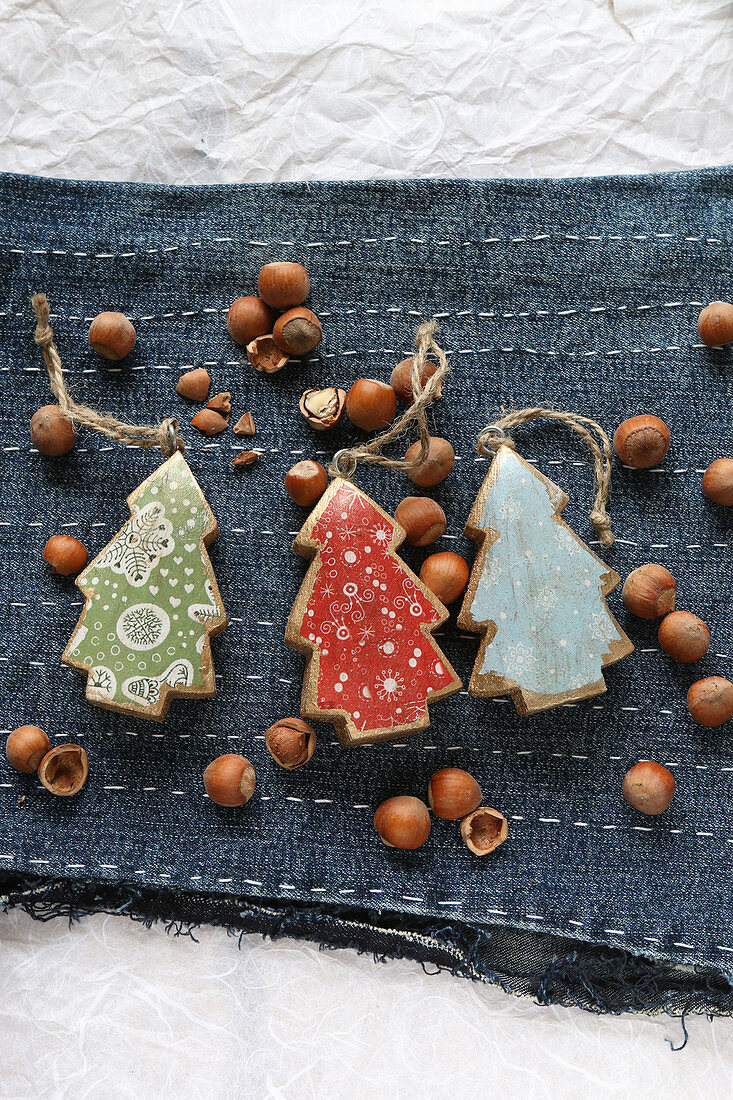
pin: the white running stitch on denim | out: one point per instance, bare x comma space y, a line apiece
373, 890
239, 242
394, 310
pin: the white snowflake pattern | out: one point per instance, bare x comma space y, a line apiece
519, 660
381, 534
390, 685
143, 541
350, 496
143, 626
547, 597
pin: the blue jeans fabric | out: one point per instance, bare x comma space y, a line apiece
583, 294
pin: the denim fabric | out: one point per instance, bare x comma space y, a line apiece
583, 294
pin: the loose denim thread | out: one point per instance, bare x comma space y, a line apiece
165, 434
494, 436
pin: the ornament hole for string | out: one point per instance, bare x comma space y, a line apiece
344, 463
489, 439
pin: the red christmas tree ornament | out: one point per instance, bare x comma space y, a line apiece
365, 622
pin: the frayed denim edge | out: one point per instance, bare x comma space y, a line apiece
548, 968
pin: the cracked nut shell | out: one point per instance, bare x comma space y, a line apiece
265, 356
291, 742
323, 409
209, 422
194, 384
484, 830
64, 770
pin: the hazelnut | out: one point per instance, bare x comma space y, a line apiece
291, 742
298, 331
684, 636
306, 482
401, 379
249, 318
51, 433
194, 384
209, 422
649, 591
65, 555
283, 284
26, 747
715, 324
265, 356
112, 335
64, 770
245, 458
717, 482
371, 404
221, 403
484, 830
648, 787
422, 519
641, 441
230, 780
453, 793
245, 425
435, 467
403, 822
710, 701
446, 575
323, 409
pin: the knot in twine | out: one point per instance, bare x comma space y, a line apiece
346, 460
494, 436
164, 435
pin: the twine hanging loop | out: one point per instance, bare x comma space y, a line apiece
495, 435
164, 435
345, 461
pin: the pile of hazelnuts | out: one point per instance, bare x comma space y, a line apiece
454, 795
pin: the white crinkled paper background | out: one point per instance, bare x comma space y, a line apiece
186, 91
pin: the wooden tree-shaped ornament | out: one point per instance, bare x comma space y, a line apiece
152, 602
537, 595
365, 622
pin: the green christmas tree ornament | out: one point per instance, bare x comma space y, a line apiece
152, 602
